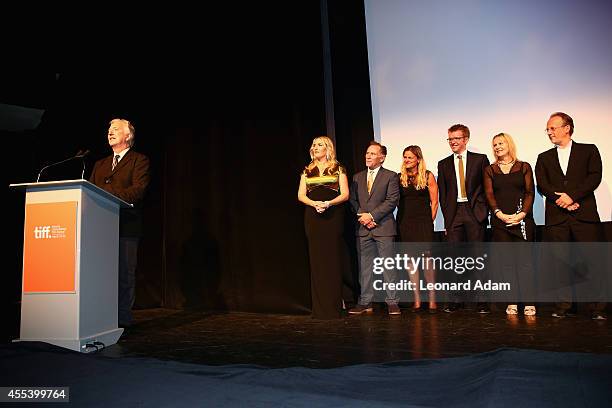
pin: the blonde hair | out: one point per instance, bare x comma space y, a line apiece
509, 142
421, 179
332, 163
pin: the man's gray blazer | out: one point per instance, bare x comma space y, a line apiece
380, 203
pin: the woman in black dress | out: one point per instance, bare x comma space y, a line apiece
416, 212
324, 189
509, 189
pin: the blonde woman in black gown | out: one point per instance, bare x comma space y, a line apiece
324, 189
509, 189
416, 212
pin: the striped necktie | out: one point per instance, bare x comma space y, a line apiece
115, 161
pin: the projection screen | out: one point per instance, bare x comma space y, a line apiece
495, 66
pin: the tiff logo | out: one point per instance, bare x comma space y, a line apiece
42, 232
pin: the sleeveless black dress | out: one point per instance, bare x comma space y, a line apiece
326, 246
414, 214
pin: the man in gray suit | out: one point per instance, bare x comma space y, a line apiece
374, 194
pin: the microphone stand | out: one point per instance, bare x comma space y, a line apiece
80, 155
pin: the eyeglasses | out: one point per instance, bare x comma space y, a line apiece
552, 129
455, 139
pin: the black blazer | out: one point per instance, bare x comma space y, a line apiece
584, 171
447, 187
129, 182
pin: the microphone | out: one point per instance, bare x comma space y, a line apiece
80, 155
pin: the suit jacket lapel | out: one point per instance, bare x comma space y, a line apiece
122, 162
554, 156
362, 187
469, 169
452, 173
376, 182
365, 185
572, 159
107, 165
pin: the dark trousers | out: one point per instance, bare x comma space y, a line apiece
572, 230
464, 228
517, 269
128, 257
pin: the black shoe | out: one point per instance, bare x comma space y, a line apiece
451, 307
484, 309
359, 309
560, 313
598, 316
432, 311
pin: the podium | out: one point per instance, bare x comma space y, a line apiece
70, 265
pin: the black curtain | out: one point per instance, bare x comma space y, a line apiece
227, 138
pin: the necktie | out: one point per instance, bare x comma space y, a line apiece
461, 177
115, 161
370, 180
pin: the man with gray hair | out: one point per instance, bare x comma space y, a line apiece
125, 174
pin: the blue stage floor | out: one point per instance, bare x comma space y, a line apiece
501, 378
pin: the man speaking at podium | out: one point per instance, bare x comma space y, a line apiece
126, 175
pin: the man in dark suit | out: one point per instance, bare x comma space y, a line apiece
126, 175
462, 197
567, 175
374, 194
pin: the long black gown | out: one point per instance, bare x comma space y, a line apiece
326, 245
511, 193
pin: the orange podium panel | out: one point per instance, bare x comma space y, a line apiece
49, 249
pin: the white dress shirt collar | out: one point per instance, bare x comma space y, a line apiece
374, 172
563, 153
121, 154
